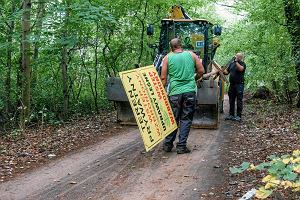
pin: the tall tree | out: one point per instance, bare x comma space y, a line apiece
143, 27
10, 31
292, 14
267, 38
64, 59
38, 27
26, 68
72, 46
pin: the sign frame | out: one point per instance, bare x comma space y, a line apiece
149, 103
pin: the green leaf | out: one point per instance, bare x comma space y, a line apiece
262, 166
262, 193
277, 166
244, 166
272, 157
235, 170
291, 176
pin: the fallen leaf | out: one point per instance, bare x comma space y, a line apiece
262, 193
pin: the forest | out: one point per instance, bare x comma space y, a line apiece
56, 55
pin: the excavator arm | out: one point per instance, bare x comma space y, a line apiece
177, 12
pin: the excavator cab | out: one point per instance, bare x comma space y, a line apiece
195, 35
199, 36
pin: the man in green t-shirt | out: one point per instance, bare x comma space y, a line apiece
180, 66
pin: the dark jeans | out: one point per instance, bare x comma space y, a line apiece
236, 92
183, 106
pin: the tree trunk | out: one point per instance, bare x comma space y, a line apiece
96, 69
90, 80
287, 91
26, 68
36, 31
11, 29
142, 21
64, 63
64, 74
105, 58
39, 25
292, 10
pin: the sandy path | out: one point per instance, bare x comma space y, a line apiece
118, 168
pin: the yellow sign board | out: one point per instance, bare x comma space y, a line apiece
149, 103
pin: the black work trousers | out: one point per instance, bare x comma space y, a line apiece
236, 92
183, 106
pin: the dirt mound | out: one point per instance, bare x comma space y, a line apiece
262, 93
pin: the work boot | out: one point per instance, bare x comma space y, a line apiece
183, 150
167, 148
238, 119
230, 117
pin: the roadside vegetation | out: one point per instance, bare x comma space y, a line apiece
56, 55
263, 152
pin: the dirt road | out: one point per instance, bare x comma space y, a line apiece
119, 168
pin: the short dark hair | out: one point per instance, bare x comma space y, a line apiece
175, 43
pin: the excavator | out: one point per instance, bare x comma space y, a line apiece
199, 36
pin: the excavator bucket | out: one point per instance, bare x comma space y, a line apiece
206, 116
115, 92
207, 108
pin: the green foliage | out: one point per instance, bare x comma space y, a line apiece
263, 37
244, 166
296, 126
282, 172
264, 165
101, 38
15, 134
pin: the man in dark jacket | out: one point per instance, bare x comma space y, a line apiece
236, 70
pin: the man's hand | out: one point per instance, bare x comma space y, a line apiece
239, 67
237, 59
233, 59
212, 73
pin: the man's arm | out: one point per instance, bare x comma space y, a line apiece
199, 66
239, 67
226, 71
213, 72
164, 71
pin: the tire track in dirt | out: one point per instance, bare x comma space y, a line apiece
172, 176
119, 169
52, 175
102, 170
